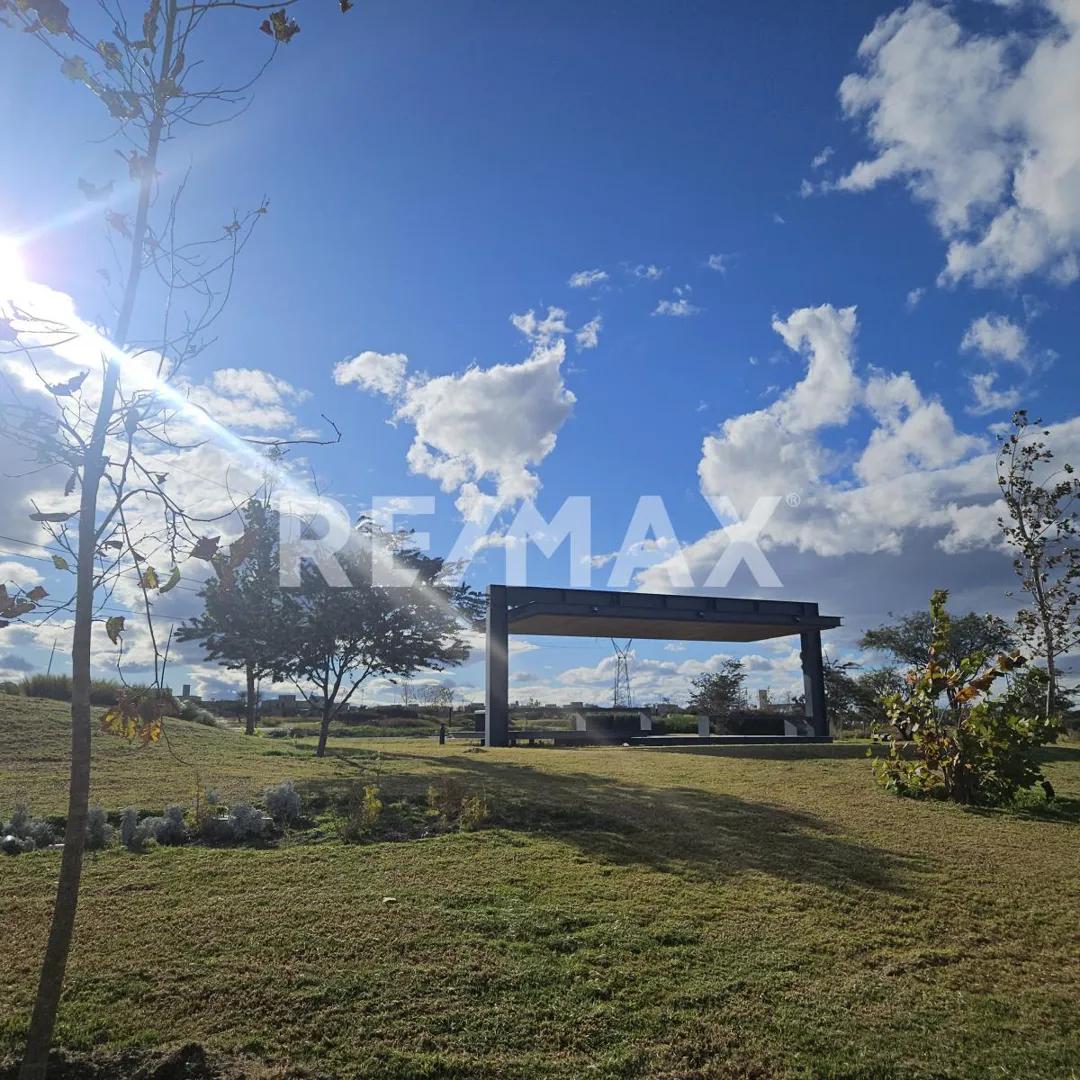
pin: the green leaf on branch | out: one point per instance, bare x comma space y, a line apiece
60, 562
114, 627
174, 580
148, 579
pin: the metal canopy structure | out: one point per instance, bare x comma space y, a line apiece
522, 609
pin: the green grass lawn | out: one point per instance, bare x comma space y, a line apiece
757, 912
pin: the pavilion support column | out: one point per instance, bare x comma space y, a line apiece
814, 681
497, 670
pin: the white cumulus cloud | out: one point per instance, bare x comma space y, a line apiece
996, 337
383, 373
914, 471
588, 336
987, 397
583, 279
491, 425
981, 128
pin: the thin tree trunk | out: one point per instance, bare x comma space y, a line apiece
61, 930
1051, 671
324, 730
249, 669
1048, 637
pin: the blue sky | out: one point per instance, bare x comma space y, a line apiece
434, 169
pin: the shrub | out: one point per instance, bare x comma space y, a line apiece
248, 823
132, 835
139, 692
35, 832
99, 832
196, 714
283, 803
57, 687
218, 830
446, 796
969, 750
474, 812
103, 692
450, 798
243, 825
362, 813
9, 687
167, 830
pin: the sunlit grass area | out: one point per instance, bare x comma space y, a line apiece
761, 911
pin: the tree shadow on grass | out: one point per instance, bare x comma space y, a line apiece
1060, 752
700, 835
836, 751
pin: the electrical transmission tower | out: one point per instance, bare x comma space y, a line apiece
620, 698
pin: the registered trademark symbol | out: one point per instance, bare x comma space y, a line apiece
792, 500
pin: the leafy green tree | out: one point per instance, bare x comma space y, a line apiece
718, 693
963, 746
1043, 505
242, 614
338, 638
872, 687
855, 698
912, 638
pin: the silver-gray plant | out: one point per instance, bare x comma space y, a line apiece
283, 803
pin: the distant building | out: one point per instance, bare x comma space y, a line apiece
282, 705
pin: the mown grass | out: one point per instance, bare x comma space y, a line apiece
765, 912
35, 753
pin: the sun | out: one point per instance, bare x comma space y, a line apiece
12, 273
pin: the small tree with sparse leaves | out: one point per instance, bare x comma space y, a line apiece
1043, 502
106, 426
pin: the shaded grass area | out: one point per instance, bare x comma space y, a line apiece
744, 912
